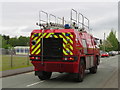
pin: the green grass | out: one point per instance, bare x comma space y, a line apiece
17, 62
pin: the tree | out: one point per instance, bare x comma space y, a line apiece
13, 41
23, 41
20, 41
113, 41
3, 43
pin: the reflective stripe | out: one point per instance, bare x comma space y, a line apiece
38, 51
36, 48
43, 35
47, 35
38, 41
68, 38
65, 49
55, 36
63, 38
65, 52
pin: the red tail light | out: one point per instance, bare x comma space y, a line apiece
70, 58
32, 57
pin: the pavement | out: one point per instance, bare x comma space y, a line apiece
106, 77
15, 71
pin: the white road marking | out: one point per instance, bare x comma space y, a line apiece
34, 83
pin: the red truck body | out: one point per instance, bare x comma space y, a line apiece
63, 50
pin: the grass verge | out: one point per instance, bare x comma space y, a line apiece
14, 62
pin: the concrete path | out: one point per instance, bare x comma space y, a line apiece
15, 71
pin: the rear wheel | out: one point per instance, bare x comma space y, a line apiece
80, 75
93, 69
43, 75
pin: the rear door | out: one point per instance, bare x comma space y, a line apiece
52, 48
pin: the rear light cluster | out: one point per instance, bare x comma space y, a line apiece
34, 57
68, 58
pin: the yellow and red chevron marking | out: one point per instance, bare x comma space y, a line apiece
67, 42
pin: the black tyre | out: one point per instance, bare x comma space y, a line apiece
98, 60
43, 75
81, 74
93, 70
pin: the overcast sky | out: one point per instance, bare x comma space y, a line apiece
19, 18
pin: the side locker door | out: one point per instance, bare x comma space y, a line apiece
84, 43
88, 59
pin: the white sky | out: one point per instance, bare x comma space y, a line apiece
19, 18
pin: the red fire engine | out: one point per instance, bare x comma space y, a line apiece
61, 46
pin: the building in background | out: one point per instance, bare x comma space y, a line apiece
21, 50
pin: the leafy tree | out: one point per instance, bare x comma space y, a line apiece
113, 41
3, 43
7, 42
13, 41
23, 41
20, 41
6, 38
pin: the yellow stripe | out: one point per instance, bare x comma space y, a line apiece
55, 36
68, 38
40, 34
65, 52
32, 36
71, 47
65, 46
71, 35
48, 35
43, 35
35, 38
38, 41
63, 38
38, 52
36, 49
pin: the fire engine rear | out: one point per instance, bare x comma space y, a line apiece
61, 46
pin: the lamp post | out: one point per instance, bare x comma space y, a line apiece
28, 54
104, 42
11, 64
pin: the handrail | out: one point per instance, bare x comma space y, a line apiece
75, 20
87, 24
82, 23
53, 21
40, 17
59, 19
51, 15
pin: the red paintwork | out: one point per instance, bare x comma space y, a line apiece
72, 67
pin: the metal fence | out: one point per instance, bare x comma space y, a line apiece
11, 60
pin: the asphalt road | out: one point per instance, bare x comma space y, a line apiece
106, 77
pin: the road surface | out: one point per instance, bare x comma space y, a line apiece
106, 77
